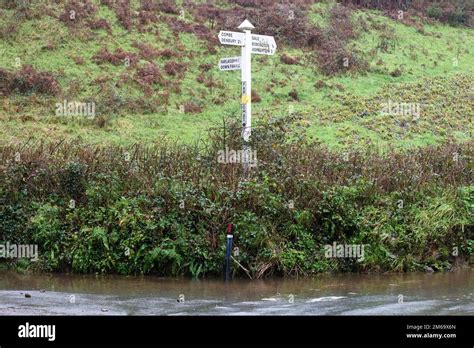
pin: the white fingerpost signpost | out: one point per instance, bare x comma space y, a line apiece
257, 44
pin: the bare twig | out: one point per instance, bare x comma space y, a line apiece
240, 265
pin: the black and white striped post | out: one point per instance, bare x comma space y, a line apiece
228, 250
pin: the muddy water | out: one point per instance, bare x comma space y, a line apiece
349, 294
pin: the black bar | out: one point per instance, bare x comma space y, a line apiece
243, 330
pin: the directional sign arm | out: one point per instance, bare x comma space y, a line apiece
263, 44
231, 38
231, 63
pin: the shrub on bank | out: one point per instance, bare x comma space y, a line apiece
164, 209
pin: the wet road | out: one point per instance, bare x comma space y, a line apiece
348, 294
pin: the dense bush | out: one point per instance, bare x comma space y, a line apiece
28, 80
147, 51
454, 12
174, 68
149, 75
77, 11
119, 57
163, 209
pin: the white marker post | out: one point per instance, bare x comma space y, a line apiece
246, 101
257, 44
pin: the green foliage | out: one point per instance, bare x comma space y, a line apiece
338, 211
164, 259
434, 11
72, 179
365, 48
164, 210
47, 230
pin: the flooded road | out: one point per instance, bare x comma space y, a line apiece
347, 294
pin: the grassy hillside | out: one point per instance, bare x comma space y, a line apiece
140, 185
159, 76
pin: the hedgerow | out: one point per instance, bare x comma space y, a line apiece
163, 209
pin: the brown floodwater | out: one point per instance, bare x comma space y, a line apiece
345, 294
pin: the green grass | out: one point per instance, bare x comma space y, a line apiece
417, 55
